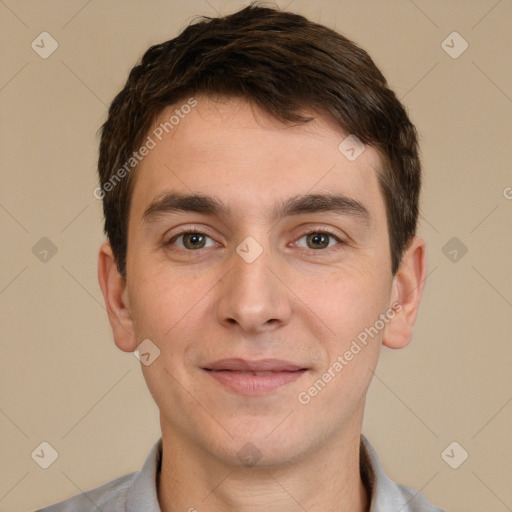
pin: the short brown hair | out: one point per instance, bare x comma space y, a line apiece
285, 64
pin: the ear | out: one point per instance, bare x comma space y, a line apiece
408, 286
115, 295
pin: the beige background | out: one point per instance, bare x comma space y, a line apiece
63, 381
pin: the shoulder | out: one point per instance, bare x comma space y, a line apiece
133, 491
111, 495
415, 501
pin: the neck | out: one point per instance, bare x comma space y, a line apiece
193, 480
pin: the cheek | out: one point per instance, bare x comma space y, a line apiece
160, 301
171, 309
346, 301
349, 304
350, 309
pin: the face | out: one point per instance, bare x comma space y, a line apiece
255, 298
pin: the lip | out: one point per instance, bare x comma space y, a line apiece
260, 365
245, 377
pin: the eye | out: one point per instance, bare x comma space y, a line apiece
194, 239
191, 240
319, 239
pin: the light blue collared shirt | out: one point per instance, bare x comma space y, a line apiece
136, 492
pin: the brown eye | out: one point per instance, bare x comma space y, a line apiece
319, 240
191, 240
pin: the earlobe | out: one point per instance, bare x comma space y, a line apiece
407, 289
115, 294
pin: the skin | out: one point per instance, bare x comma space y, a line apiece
295, 302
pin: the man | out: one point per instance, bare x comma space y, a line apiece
260, 185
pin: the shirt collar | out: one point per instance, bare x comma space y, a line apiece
143, 492
385, 494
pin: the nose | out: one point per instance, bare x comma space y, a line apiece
253, 296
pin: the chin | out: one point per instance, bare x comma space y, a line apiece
258, 443
258, 453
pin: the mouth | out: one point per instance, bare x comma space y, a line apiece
254, 378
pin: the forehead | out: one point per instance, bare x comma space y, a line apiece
250, 160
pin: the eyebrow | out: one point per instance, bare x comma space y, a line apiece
173, 202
